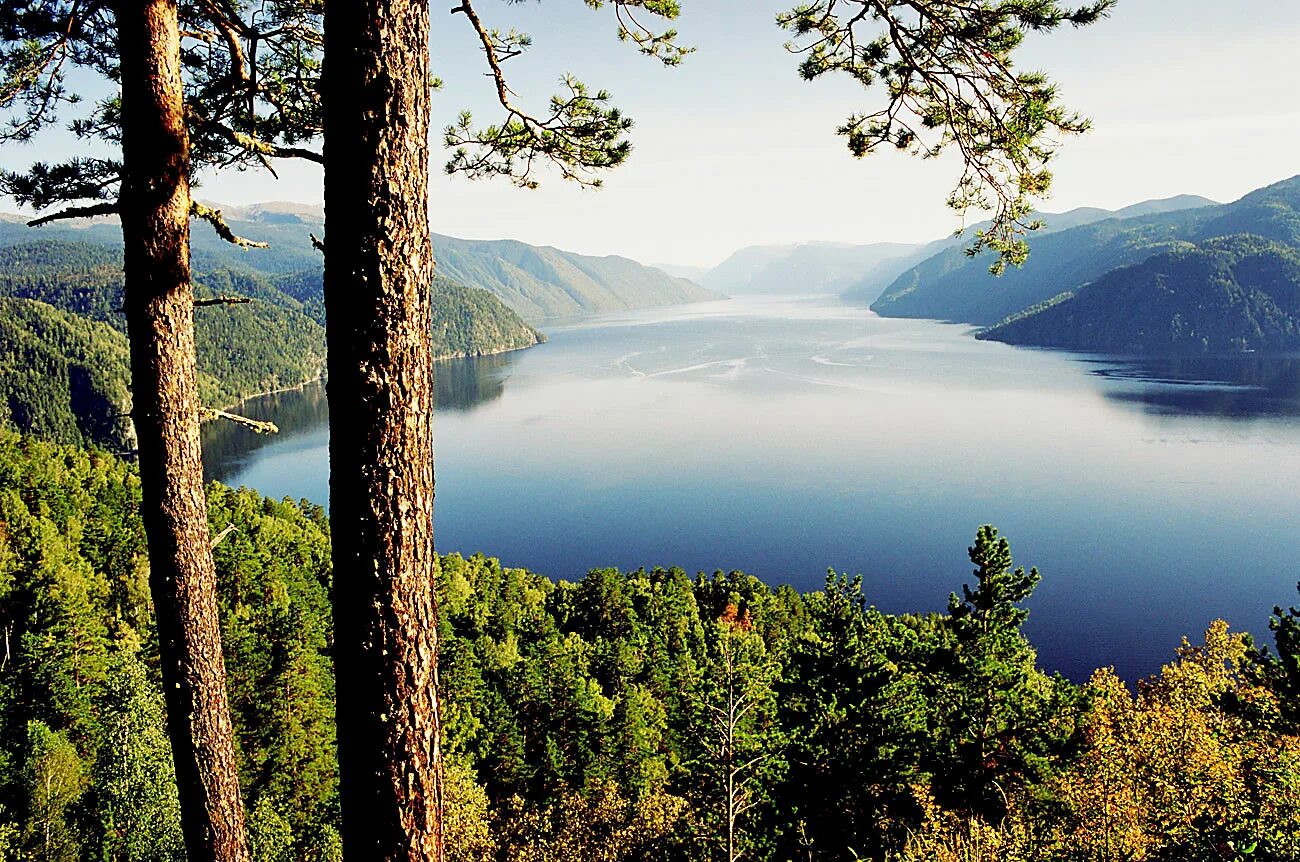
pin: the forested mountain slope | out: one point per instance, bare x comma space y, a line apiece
62, 376
954, 286
540, 281
534, 281
1235, 293
64, 317
949, 251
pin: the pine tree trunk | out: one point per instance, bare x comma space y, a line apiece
378, 272
155, 205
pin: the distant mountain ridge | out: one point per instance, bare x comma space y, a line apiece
822, 267
537, 282
863, 272
541, 281
1071, 248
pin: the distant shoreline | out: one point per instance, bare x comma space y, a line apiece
320, 377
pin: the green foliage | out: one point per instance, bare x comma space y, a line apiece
948, 69
62, 376
1003, 719
134, 801
582, 719
85, 763
580, 133
65, 360
1231, 294
1279, 669
244, 104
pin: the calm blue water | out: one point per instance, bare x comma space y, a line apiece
785, 436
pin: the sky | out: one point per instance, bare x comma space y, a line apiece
733, 149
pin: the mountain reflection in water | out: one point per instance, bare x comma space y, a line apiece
303, 413
1236, 386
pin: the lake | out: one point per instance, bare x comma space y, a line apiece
785, 436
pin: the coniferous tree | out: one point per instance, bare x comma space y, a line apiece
948, 68
998, 701
163, 139
378, 272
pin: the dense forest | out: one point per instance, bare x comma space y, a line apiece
632, 716
62, 376
1113, 251
1230, 294
64, 354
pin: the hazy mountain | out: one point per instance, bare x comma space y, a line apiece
952, 286
540, 281
1239, 292
535, 281
805, 268
738, 269
874, 283
822, 268
676, 270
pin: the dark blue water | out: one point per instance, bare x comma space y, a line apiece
786, 436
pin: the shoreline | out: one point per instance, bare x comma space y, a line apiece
298, 387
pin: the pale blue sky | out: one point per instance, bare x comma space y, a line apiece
733, 149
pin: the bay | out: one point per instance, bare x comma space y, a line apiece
784, 436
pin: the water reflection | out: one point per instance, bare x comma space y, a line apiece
464, 384
1239, 386
303, 413
229, 448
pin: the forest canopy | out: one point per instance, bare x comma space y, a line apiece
582, 718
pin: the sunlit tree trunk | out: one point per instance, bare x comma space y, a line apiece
378, 272
154, 206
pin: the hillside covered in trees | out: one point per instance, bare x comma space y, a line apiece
65, 355
1236, 293
614, 718
953, 286
533, 281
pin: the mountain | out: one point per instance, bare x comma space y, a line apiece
1239, 292
737, 270
537, 282
540, 282
267, 344
469, 321
1073, 248
806, 268
62, 376
822, 268
677, 270
61, 316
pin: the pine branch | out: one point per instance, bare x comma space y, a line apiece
106, 208
582, 133
222, 300
255, 425
218, 222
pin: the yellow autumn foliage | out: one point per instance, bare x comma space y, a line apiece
600, 825
1171, 772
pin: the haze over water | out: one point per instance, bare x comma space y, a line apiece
783, 436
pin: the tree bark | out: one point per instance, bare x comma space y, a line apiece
159, 298
378, 272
